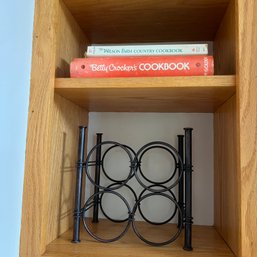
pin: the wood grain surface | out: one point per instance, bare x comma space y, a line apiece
51, 139
206, 243
247, 111
164, 94
226, 177
34, 206
224, 46
71, 42
67, 117
133, 21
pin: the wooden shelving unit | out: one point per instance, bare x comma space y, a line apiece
158, 94
58, 105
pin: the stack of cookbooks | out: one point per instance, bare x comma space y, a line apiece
143, 60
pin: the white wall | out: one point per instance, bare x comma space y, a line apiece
16, 21
137, 129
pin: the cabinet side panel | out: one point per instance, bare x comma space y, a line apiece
247, 109
52, 128
38, 148
224, 46
61, 183
71, 42
66, 117
226, 176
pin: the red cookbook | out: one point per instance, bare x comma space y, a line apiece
149, 66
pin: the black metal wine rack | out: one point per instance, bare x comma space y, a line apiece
181, 176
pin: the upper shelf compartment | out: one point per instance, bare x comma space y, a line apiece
84, 22
158, 94
133, 21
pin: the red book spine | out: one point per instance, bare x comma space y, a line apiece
150, 66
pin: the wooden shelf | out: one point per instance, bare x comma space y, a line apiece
206, 243
112, 21
158, 94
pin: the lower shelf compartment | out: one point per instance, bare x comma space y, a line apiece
206, 243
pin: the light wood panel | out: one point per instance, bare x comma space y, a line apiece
61, 182
206, 243
247, 112
67, 118
50, 142
166, 94
226, 174
71, 42
38, 146
225, 43
130, 21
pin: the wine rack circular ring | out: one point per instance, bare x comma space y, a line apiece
101, 206
89, 204
88, 163
173, 237
157, 147
179, 164
152, 222
103, 158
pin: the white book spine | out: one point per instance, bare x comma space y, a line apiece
146, 50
